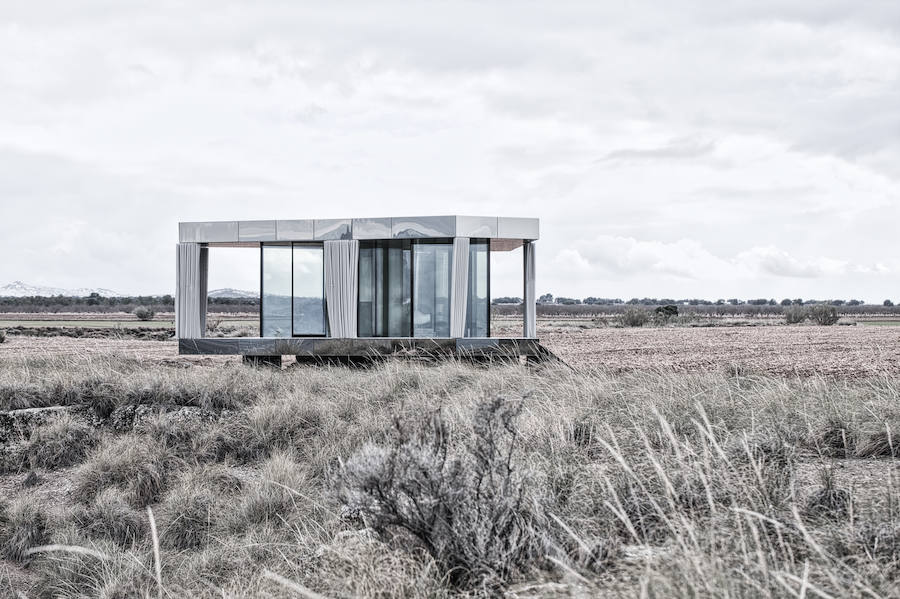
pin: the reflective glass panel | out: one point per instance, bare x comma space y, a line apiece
478, 301
384, 288
276, 291
431, 289
309, 290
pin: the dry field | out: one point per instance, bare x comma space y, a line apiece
842, 351
703, 462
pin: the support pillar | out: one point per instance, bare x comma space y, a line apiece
529, 299
459, 286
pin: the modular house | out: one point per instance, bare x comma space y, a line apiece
361, 286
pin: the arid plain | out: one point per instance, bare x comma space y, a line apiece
754, 459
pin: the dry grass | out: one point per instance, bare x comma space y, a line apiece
648, 481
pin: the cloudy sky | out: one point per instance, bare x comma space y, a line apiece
689, 149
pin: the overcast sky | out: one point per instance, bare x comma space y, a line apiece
683, 149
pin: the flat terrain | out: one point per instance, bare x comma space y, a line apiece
844, 351
739, 461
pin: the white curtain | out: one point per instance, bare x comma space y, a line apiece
459, 278
530, 328
342, 286
190, 284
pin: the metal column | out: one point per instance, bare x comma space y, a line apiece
529, 299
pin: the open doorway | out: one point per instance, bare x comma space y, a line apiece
232, 308
507, 288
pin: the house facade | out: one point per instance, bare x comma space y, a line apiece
362, 285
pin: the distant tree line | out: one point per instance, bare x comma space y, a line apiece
549, 299
97, 303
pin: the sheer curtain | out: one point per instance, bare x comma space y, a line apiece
459, 286
342, 286
191, 265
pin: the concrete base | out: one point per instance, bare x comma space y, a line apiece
319, 349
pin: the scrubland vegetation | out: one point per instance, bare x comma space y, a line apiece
412, 480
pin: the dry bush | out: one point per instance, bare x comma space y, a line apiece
137, 465
144, 313
97, 568
195, 505
837, 439
880, 444
355, 564
62, 442
828, 502
795, 314
2, 335
23, 525
109, 516
823, 315
282, 490
634, 317
468, 504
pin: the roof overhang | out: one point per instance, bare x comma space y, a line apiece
250, 233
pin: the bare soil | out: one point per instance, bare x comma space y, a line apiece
841, 351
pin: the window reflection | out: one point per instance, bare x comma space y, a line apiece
477, 303
385, 293
276, 291
309, 290
431, 289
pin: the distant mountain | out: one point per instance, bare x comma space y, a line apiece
20, 289
234, 293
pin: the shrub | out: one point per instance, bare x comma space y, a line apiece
828, 502
823, 315
144, 313
795, 314
2, 335
471, 507
109, 516
137, 465
187, 515
663, 314
634, 317
274, 496
194, 506
23, 525
63, 442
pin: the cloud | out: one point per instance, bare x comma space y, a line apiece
691, 146
676, 149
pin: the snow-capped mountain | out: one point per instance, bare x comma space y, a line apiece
20, 289
233, 293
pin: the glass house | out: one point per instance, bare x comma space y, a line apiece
347, 287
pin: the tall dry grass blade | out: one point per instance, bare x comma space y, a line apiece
291, 585
68, 549
157, 564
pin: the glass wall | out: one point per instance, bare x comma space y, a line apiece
309, 290
276, 291
431, 289
385, 290
478, 302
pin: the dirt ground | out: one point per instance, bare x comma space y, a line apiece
851, 351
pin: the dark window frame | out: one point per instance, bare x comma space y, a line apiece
291, 245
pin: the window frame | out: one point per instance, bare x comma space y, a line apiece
291, 245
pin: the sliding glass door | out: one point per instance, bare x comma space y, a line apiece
431, 289
309, 290
478, 305
293, 291
275, 311
385, 291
